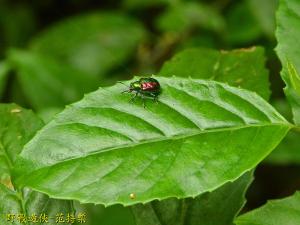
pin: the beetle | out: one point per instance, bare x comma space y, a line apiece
146, 87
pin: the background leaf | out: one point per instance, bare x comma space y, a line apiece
287, 152
104, 148
15, 32
264, 13
288, 50
17, 126
94, 43
284, 211
244, 67
242, 27
204, 209
180, 17
48, 83
30, 203
112, 215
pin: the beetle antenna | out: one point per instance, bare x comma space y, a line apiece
123, 84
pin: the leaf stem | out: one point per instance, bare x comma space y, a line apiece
20, 193
296, 129
184, 208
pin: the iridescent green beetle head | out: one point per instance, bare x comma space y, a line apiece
135, 86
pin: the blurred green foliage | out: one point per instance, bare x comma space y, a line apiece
52, 52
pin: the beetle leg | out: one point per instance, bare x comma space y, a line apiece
133, 97
126, 91
143, 99
155, 97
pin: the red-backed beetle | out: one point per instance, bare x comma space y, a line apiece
146, 88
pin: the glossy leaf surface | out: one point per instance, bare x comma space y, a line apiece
105, 149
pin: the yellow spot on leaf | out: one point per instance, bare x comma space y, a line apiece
7, 182
238, 81
132, 196
16, 110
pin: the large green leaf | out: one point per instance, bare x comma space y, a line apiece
183, 16
288, 50
244, 67
105, 149
48, 83
215, 208
94, 43
285, 211
17, 126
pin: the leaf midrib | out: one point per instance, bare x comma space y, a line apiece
182, 136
